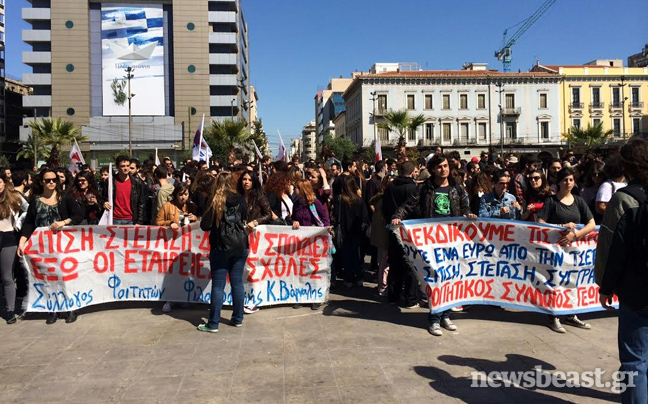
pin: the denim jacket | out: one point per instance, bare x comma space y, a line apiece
490, 206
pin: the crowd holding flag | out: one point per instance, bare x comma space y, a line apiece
260, 160
201, 150
76, 158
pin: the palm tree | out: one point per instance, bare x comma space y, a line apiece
592, 137
401, 122
28, 147
56, 133
232, 133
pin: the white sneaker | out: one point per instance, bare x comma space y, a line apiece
166, 308
576, 322
250, 309
556, 326
448, 325
435, 329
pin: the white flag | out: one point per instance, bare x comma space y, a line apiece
378, 150
201, 150
282, 150
107, 217
76, 158
157, 159
257, 151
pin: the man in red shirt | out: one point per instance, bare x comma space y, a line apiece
128, 195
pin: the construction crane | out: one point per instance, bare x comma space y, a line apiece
504, 54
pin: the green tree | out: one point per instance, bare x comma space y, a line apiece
343, 147
401, 122
230, 133
591, 138
259, 136
27, 150
57, 134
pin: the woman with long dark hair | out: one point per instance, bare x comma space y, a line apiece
85, 192
258, 207
50, 207
278, 191
65, 177
201, 191
224, 263
10, 204
538, 191
568, 211
354, 219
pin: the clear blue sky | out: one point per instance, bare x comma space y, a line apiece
296, 46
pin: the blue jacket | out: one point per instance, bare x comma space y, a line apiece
490, 206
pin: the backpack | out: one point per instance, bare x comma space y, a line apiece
231, 232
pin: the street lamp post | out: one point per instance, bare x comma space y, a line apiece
232, 108
623, 100
373, 100
499, 85
128, 77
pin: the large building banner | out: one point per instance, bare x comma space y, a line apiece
133, 36
505, 263
86, 265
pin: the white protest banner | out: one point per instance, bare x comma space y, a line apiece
506, 263
87, 265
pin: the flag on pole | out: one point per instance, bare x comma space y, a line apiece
378, 150
157, 159
259, 161
282, 155
201, 150
107, 217
76, 158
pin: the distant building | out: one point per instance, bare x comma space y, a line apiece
461, 108
602, 92
14, 113
309, 142
328, 104
296, 148
639, 59
340, 124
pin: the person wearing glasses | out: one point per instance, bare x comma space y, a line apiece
498, 203
87, 196
538, 191
52, 208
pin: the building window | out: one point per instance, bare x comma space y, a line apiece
428, 101
191, 68
447, 131
511, 130
69, 24
510, 101
410, 102
616, 126
382, 102
596, 97
191, 26
481, 101
543, 100
411, 135
464, 131
634, 91
429, 131
384, 134
576, 123
596, 121
636, 125
69, 68
463, 101
446, 101
616, 97
482, 130
575, 95
70, 111
544, 130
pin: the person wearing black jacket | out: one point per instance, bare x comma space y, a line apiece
130, 202
438, 196
52, 208
400, 274
373, 187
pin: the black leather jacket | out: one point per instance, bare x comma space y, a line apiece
421, 203
137, 199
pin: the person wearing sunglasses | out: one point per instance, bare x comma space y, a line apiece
86, 194
52, 208
538, 191
498, 203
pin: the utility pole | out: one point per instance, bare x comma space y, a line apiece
623, 100
232, 108
373, 100
128, 77
499, 85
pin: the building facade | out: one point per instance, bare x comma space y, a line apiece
296, 148
328, 104
14, 115
604, 92
472, 110
340, 124
309, 141
188, 58
639, 59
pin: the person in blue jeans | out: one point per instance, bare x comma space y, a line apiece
225, 262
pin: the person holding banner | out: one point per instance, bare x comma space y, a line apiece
52, 208
10, 207
87, 196
438, 196
498, 203
538, 191
226, 207
567, 210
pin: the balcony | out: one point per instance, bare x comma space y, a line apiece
222, 16
37, 57
223, 80
223, 101
596, 106
427, 142
36, 35
616, 105
35, 101
36, 14
381, 111
576, 106
42, 79
222, 59
634, 105
511, 111
222, 37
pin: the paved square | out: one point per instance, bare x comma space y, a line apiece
355, 350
